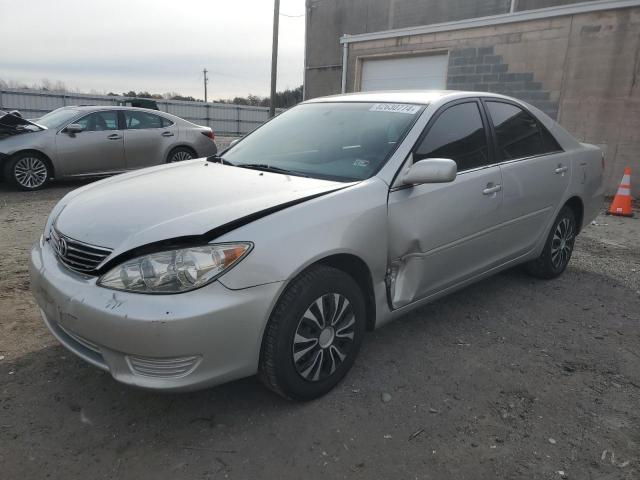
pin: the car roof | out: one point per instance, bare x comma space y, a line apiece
91, 108
423, 97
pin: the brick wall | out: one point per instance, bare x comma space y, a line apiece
480, 69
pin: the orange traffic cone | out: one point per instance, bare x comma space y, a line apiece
621, 204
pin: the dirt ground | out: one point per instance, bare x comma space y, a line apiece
510, 378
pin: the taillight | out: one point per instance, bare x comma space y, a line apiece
209, 134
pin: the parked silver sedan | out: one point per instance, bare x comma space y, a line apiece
334, 218
95, 141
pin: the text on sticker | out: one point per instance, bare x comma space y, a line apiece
395, 108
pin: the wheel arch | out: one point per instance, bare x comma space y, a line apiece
357, 269
576, 204
44, 156
181, 145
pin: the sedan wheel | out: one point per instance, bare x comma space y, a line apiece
28, 172
558, 247
313, 335
562, 243
324, 337
180, 155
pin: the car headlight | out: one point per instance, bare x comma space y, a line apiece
175, 271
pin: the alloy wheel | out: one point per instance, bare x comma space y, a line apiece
30, 172
181, 156
324, 337
562, 243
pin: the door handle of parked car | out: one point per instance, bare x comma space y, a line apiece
167, 134
561, 169
491, 189
114, 136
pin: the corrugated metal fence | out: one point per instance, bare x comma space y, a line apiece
221, 117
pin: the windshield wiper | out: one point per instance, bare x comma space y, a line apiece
219, 159
269, 168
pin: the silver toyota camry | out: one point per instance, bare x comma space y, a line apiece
336, 217
95, 141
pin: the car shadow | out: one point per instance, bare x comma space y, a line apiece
503, 341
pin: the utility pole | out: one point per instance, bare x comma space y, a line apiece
206, 80
274, 57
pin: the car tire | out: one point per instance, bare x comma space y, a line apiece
306, 348
28, 171
558, 247
181, 154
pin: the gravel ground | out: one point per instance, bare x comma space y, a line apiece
510, 378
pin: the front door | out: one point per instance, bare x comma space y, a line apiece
98, 149
443, 234
535, 174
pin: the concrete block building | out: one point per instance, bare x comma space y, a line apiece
578, 62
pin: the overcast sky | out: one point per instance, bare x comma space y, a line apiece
153, 45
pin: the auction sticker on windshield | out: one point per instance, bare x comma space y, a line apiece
395, 108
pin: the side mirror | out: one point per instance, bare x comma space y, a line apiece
431, 170
74, 128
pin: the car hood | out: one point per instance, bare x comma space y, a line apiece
185, 200
13, 124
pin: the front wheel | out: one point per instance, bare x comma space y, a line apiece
313, 335
28, 171
558, 247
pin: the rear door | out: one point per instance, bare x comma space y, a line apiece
147, 138
442, 234
535, 174
97, 149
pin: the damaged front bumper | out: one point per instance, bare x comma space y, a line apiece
163, 342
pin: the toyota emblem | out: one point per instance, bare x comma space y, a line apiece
62, 247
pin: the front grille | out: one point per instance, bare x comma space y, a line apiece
76, 255
163, 367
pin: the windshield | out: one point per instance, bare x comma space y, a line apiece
340, 141
57, 118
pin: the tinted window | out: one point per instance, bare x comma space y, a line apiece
166, 122
141, 120
457, 134
519, 134
99, 121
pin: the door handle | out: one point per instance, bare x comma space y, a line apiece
489, 190
561, 169
167, 134
114, 136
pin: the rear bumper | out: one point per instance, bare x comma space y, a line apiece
162, 342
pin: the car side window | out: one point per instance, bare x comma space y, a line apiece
518, 133
135, 120
166, 122
458, 134
99, 121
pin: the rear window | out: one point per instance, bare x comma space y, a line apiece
518, 133
135, 120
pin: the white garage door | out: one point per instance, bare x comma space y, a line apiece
404, 73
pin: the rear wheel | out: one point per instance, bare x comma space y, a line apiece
181, 154
313, 335
28, 171
558, 248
